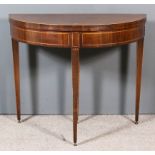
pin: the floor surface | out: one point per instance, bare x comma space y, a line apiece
96, 132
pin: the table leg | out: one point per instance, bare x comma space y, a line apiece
140, 44
15, 48
75, 84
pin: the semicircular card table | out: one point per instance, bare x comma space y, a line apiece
77, 31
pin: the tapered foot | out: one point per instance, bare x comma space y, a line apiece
136, 122
75, 144
19, 121
140, 45
15, 48
75, 83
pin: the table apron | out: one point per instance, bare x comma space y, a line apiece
87, 39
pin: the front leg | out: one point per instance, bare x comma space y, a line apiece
15, 48
75, 82
140, 45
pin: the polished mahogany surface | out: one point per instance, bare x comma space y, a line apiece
77, 22
96, 30
77, 31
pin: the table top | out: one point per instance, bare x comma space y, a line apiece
77, 22
82, 30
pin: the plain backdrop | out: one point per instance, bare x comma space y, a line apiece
107, 76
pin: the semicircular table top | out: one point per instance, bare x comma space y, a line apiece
96, 30
77, 22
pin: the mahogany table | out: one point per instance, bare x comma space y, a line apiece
77, 31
